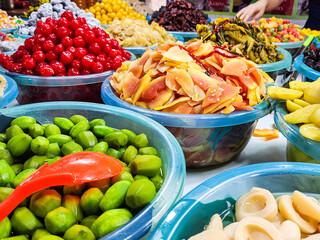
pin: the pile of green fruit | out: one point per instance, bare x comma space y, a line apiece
34, 7
87, 211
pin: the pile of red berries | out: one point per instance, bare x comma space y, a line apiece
66, 47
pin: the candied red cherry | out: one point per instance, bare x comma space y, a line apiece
48, 45
101, 41
80, 53
74, 24
67, 41
68, 15
3, 58
53, 62
39, 24
46, 71
86, 72
126, 55
17, 56
116, 63
71, 49
101, 58
97, 67
82, 20
114, 44
108, 40
62, 32
104, 34
51, 56
114, 53
73, 72
79, 32
7, 64
26, 56
21, 47
29, 63
63, 22
76, 63
66, 57
79, 41
29, 43
85, 27
16, 67
39, 56
106, 48
71, 33
37, 47
39, 38
46, 29
53, 37
107, 66
61, 75
92, 56
52, 22
89, 37
58, 67
87, 62
94, 48
27, 72
58, 49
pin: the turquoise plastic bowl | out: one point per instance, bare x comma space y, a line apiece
218, 194
206, 139
309, 73
291, 47
10, 92
8, 30
291, 132
276, 68
169, 151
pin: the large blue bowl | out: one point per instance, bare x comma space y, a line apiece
218, 195
217, 138
309, 73
169, 151
10, 92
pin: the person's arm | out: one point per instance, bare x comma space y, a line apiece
257, 9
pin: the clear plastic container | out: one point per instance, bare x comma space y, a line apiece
169, 151
34, 89
218, 195
276, 68
291, 47
309, 73
206, 139
291, 132
10, 92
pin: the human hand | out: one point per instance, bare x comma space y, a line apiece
257, 9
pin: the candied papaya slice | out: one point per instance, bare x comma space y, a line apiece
143, 83
301, 115
310, 131
280, 93
291, 106
235, 67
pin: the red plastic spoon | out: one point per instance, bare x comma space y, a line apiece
76, 168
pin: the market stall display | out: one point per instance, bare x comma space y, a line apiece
179, 16
241, 38
78, 203
54, 10
34, 7
219, 194
8, 24
8, 90
109, 10
177, 92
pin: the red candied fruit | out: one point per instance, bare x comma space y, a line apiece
46, 71
68, 15
29, 63
59, 49
46, 29
74, 24
87, 62
79, 41
29, 43
80, 53
86, 72
62, 32
3, 58
97, 67
67, 41
39, 56
89, 37
52, 22
58, 67
66, 57
79, 32
76, 63
63, 22
51, 56
48, 45
82, 20
37, 47
39, 38
71, 49
73, 72
53, 37
94, 48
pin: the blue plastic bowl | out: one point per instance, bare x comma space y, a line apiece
303, 149
218, 194
217, 138
169, 151
309, 73
34, 89
291, 47
8, 30
276, 68
10, 92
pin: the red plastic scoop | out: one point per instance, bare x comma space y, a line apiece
76, 168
